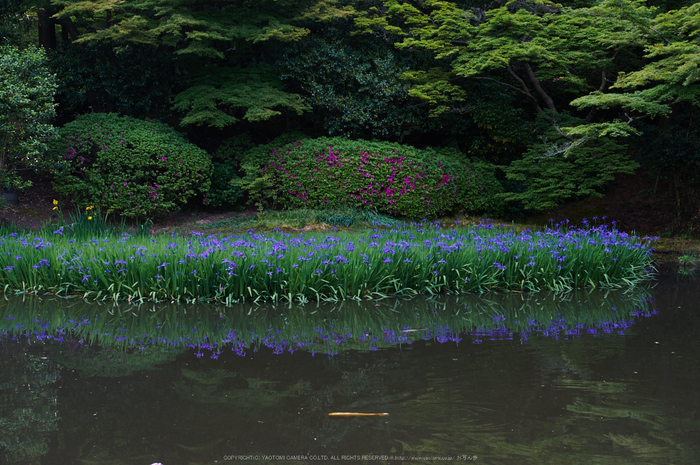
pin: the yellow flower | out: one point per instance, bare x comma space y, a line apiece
89, 208
54, 208
55, 202
89, 217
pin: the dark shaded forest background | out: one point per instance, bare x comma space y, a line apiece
549, 103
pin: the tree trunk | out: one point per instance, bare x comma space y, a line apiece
68, 27
538, 87
47, 30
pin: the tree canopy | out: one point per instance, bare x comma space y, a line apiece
215, 41
545, 91
670, 75
585, 60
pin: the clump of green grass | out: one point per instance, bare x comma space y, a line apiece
687, 264
300, 218
230, 224
83, 223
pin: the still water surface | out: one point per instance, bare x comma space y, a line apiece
588, 377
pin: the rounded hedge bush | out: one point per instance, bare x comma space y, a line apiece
390, 178
124, 165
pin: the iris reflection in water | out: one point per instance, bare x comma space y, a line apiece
324, 329
506, 402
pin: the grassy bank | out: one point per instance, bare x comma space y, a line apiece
666, 248
400, 260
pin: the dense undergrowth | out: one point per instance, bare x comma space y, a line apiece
421, 258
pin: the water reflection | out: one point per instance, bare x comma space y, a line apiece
28, 407
582, 378
327, 329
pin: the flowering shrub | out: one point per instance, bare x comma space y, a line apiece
128, 166
391, 178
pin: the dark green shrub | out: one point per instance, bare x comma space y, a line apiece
128, 166
353, 83
259, 155
139, 80
225, 184
255, 183
27, 107
225, 190
233, 148
395, 179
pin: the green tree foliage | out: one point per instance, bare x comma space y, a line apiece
254, 93
541, 52
551, 178
671, 74
27, 89
218, 42
674, 62
139, 81
123, 165
353, 84
537, 49
666, 90
204, 28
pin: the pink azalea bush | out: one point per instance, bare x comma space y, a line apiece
395, 179
123, 165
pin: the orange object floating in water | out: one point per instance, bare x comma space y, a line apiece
356, 414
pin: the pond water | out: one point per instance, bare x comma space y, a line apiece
586, 377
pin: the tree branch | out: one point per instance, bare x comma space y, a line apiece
480, 78
603, 85
555, 150
659, 34
536, 82
68, 25
526, 91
